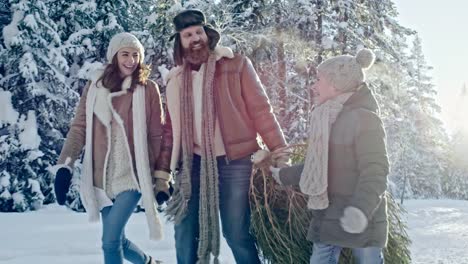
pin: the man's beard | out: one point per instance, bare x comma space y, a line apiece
199, 56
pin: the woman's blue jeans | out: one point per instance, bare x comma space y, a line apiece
115, 245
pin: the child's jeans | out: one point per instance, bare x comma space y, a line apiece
330, 254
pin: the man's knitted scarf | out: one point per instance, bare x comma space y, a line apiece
209, 236
314, 178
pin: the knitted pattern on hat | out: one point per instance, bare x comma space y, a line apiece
346, 72
124, 40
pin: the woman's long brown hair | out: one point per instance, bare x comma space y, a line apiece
111, 79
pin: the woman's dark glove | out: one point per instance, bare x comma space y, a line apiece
62, 184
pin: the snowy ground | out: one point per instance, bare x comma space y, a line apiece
438, 228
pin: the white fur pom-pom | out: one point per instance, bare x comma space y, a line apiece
365, 58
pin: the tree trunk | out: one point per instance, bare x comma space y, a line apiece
319, 30
281, 69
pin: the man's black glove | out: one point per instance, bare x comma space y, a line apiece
62, 184
163, 196
162, 186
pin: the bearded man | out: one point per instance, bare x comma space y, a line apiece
216, 106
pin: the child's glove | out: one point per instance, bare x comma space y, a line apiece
62, 184
353, 221
162, 186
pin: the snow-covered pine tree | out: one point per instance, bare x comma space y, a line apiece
278, 55
455, 185
86, 30
87, 27
35, 78
5, 19
430, 141
417, 141
159, 48
5, 15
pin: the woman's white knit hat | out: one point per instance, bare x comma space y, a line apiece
346, 72
124, 40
